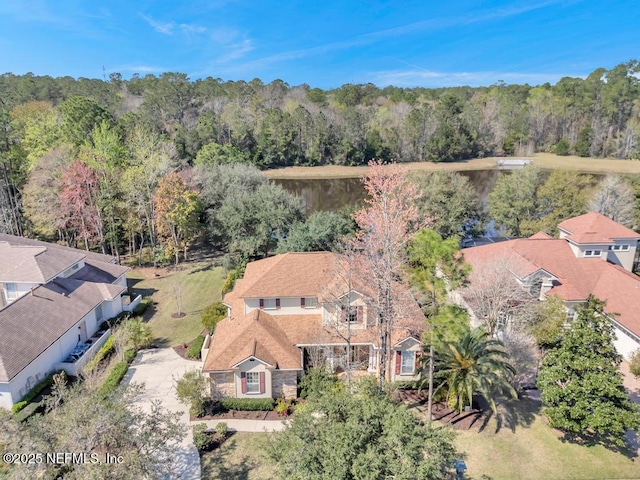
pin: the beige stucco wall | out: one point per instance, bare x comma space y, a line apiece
622, 258
222, 385
410, 346
288, 306
284, 383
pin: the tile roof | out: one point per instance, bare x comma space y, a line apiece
577, 277
594, 227
35, 321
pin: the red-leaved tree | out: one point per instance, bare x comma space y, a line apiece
80, 189
387, 223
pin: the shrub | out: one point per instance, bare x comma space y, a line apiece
318, 381
232, 276
634, 365
130, 355
282, 407
262, 404
192, 391
222, 428
194, 350
113, 380
212, 314
201, 439
139, 332
33, 393
563, 147
105, 350
142, 306
19, 406
406, 385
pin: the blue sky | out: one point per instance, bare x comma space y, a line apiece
324, 44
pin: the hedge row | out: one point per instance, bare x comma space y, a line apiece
105, 350
196, 347
142, 306
263, 404
117, 374
33, 393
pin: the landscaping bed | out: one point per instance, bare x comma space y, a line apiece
241, 415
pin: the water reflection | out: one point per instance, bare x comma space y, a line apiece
335, 193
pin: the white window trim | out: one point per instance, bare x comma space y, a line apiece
11, 296
269, 304
254, 386
351, 312
619, 248
592, 253
407, 355
310, 302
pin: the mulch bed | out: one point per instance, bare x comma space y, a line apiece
441, 411
241, 415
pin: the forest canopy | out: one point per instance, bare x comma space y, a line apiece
82, 160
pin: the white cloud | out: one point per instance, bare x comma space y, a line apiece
429, 78
165, 28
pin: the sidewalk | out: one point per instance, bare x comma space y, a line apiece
157, 368
238, 425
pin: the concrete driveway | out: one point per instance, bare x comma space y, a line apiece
157, 368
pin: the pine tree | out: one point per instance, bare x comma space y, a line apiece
581, 384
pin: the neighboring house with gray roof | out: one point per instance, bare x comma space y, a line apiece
53, 300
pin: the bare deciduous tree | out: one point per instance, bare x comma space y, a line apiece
386, 223
494, 295
615, 199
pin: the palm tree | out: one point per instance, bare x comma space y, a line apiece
475, 363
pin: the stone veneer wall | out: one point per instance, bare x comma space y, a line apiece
284, 383
222, 385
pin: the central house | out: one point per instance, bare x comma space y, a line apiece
298, 310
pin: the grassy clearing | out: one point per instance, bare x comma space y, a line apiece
544, 160
521, 445
201, 285
240, 457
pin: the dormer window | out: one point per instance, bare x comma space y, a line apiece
269, 303
592, 253
619, 248
308, 302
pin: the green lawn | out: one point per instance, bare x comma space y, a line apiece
201, 285
240, 457
524, 447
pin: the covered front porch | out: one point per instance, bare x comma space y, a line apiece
340, 358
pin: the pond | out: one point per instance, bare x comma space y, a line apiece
335, 193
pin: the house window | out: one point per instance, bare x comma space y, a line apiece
592, 253
618, 248
309, 302
253, 382
269, 303
12, 291
408, 363
352, 314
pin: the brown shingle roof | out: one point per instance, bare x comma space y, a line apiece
256, 334
276, 336
287, 275
594, 227
35, 321
33, 264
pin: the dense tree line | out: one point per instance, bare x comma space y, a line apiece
86, 161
